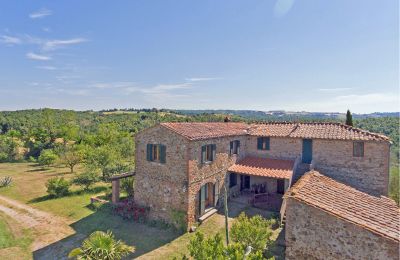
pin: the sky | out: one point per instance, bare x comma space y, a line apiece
325, 56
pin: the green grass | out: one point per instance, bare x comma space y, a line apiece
28, 186
14, 241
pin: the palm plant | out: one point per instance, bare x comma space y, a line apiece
103, 246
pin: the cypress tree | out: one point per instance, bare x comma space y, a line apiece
349, 118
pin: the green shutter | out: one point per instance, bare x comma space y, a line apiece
259, 143
231, 148
163, 154
203, 153
149, 152
267, 142
214, 151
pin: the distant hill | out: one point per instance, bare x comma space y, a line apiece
288, 115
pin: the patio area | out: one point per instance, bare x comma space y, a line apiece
270, 202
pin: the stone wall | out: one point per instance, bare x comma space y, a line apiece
370, 173
311, 233
280, 148
162, 187
214, 172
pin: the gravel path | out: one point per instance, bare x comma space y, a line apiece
47, 227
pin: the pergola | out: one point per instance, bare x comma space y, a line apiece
115, 182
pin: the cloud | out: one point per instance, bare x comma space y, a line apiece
367, 99
40, 13
111, 85
201, 79
282, 7
54, 44
10, 40
34, 56
166, 91
46, 67
333, 89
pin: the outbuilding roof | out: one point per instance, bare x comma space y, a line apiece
380, 215
265, 167
337, 131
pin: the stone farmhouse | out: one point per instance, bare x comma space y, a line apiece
326, 219
184, 167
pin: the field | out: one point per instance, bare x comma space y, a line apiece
71, 220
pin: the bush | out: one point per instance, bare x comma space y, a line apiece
127, 185
5, 181
86, 179
47, 157
255, 231
57, 187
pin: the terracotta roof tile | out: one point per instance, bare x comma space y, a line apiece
315, 131
337, 131
380, 215
265, 167
198, 131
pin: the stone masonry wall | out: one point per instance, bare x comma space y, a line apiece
280, 148
314, 234
370, 173
162, 187
214, 172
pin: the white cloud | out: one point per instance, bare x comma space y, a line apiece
121, 84
10, 40
54, 44
367, 99
34, 56
282, 7
333, 89
40, 13
46, 67
201, 79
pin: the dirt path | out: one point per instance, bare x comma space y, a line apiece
47, 228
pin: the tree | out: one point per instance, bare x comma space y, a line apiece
213, 248
102, 246
86, 179
349, 118
255, 231
102, 157
47, 157
70, 157
57, 187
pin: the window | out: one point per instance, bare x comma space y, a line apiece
263, 143
208, 153
232, 180
234, 147
358, 149
156, 153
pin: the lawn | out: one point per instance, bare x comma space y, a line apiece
29, 188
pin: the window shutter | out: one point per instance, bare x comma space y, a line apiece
214, 151
238, 147
231, 148
267, 143
149, 151
216, 193
259, 143
163, 149
203, 153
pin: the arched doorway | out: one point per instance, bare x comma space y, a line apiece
207, 198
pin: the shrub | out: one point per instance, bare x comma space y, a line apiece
129, 210
102, 246
127, 185
57, 187
255, 231
5, 181
86, 179
47, 157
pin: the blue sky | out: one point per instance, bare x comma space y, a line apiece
263, 55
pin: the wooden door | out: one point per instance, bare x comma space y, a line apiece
307, 151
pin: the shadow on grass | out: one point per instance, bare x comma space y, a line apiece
143, 237
94, 190
39, 168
